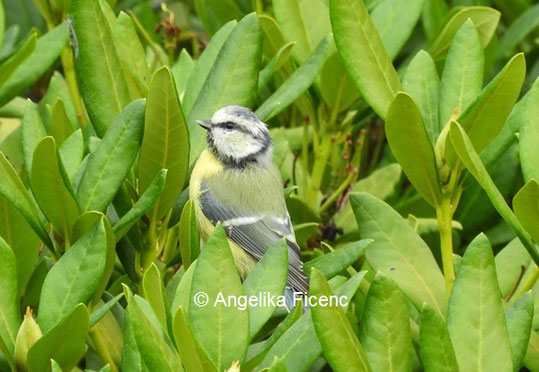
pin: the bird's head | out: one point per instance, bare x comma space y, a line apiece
237, 137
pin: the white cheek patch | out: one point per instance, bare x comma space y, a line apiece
235, 144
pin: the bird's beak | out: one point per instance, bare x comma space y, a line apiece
206, 124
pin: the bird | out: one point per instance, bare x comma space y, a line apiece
234, 182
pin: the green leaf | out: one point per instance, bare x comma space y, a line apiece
191, 356
434, 12
21, 238
23, 52
526, 207
304, 22
462, 78
296, 84
182, 296
435, 345
333, 263
518, 30
189, 235
274, 64
204, 66
48, 48
421, 81
486, 116
141, 207
471, 160
110, 163
72, 152
509, 263
12, 188
74, 278
53, 344
101, 311
215, 13
273, 35
221, 331
101, 79
166, 141
529, 132
395, 21
268, 277
340, 345
155, 353
154, 293
10, 317
233, 79
398, 252
32, 132
531, 360
385, 328
182, 70
410, 143
52, 188
363, 54
57, 89
519, 319
484, 18
60, 128
475, 315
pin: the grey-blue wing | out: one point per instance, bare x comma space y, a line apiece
256, 234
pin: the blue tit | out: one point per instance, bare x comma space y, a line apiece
236, 183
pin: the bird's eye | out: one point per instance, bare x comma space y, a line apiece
229, 125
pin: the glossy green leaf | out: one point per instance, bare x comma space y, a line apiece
12, 188
395, 21
484, 18
531, 360
142, 206
298, 347
335, 84
130, 51
166, 141
101, 311
410, 143
526, 207
72, 152
204, 66
296, 84
529, 132
101, 79
475, 315
434, 13
221, 331
335, 262
276, 62
110, 163
154, 293
462, 77
233, 79
57, 89
52, 188
155, 353
305, 22
339, 343
74, 278
182, 296
48, 48
273, 35
519, 319
384, 332
487, 114
437, 353
471, 160
32, 132
363, 53
398, 252
53, 344
191, 356
214, 13
23, 52
509, 263
10, 317
268, 276
182, 71
189, 236
421, 81
60, 126
518, 30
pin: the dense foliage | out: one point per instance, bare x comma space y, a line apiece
407, 135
